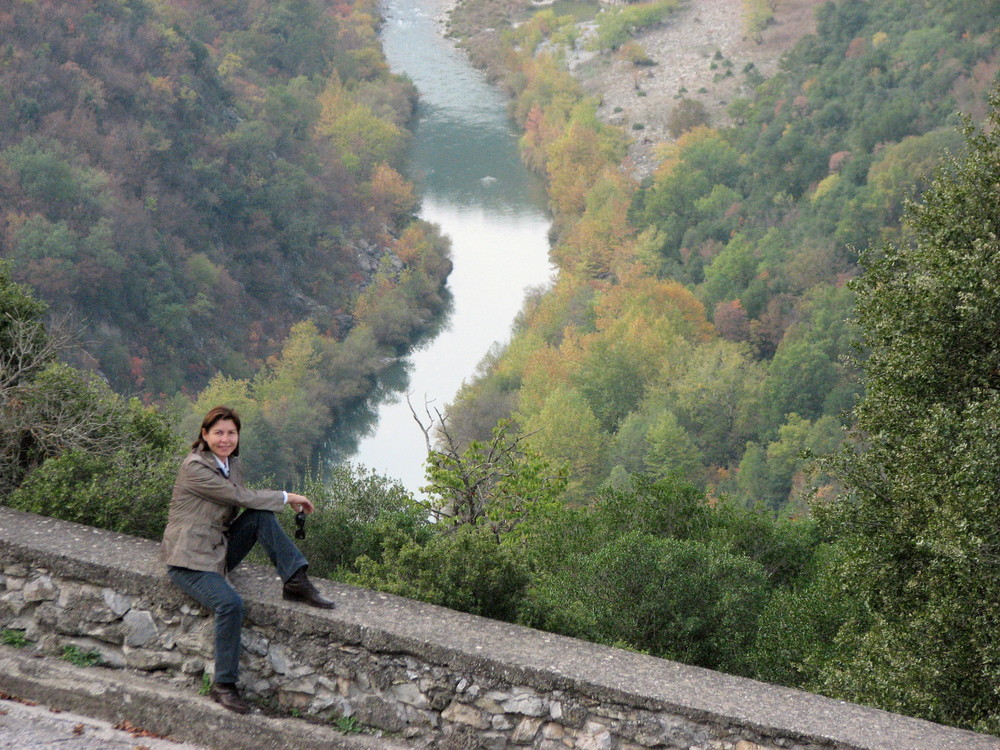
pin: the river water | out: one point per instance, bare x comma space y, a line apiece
465, 163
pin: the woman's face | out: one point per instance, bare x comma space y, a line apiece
222, 438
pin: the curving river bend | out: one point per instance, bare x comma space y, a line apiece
465, 163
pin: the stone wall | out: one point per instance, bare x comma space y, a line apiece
418, 673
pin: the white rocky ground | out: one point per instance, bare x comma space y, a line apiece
684, 49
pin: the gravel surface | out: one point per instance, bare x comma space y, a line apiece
24, 726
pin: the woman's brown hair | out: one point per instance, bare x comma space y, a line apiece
216, 415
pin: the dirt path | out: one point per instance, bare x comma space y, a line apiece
691, 51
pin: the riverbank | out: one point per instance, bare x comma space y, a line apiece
702, 52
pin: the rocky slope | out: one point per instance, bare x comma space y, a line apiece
691, 52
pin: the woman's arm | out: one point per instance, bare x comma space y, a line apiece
207, 483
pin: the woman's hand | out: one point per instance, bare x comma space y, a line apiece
300, 503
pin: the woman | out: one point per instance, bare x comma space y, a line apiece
207, 536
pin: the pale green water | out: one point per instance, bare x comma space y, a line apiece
465, 162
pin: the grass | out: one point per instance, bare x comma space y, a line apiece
15, 638
80, 658
348, 725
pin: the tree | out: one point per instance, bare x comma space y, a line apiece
654, 567
69, 446
496, 484
671, 449
920, 518
566, 433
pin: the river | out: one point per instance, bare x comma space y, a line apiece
465, 163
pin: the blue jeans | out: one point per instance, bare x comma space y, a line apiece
212, 590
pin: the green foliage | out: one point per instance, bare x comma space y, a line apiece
797, 634
495, 484
757, 16
653, 567
80, 658
348, 724
464, 568
918, 519
692, 602
686, 115
357, 513
13, 638
72, 448
615, 26
181, 153
117, 474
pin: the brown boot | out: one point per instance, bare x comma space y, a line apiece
227, 695
299, 588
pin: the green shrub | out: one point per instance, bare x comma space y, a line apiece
677, 599
616, 26
463, 567
356, 511
108, 462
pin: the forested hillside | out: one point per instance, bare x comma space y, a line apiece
699, 325
188, 181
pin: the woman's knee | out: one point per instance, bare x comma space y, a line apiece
230, 605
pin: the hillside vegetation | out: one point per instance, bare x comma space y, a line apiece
191, 183
700, 322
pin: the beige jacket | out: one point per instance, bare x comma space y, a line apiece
203, 504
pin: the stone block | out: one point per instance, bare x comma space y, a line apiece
376, 712
595, 737
255, 642
40, 589
553, 731
526, 730
527, 704
119, 604
419, 717
488, 704
502, 723
140, 628
193, 666
409, 693
463, 713
150, 660
12, 604
305, 684
277, 657
293, 700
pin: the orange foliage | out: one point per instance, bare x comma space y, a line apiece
392, 197
655, 299
600, 237
412, 244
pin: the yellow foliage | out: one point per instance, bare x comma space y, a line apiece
757, 16
654, 300
825, 186
590, 247
672, 154
391, 195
